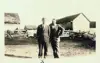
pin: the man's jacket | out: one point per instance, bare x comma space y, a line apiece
43, 33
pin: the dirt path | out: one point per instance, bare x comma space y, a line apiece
67, 49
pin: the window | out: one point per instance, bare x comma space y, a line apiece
92, 24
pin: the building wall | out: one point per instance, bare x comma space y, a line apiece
67, 26
81, 23
11, 26
92, 30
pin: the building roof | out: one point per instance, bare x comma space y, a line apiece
12, 18
70, 18
30, 27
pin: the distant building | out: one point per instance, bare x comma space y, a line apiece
11, 18
30, 27
77, 22
31, 30
12, 21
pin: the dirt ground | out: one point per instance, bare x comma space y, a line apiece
68, 48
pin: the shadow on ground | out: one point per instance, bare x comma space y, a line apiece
11, 55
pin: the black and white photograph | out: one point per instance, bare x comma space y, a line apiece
49, 29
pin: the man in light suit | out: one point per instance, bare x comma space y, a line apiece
55, 31
43, 38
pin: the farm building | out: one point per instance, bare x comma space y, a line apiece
77, 22
12, 21
30, 27
31, 30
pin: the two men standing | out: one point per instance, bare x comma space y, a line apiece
46, 34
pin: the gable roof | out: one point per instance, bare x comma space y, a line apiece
70, 18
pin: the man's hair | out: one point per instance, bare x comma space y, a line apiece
53, 19
43, 18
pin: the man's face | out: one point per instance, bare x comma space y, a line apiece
54, 21
43, 21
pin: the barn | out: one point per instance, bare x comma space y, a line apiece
12, 21
76, 22
31, 30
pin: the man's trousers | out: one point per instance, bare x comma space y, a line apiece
55, 47
42, 45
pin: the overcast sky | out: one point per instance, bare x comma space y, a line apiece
31, 11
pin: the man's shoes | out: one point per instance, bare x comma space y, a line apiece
56, 57
39, 56
44, 56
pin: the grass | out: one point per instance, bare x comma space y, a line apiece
26, 48
22, 41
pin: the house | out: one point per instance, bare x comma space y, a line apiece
77, 22
31, 30
12, 18
30, 27
12, 21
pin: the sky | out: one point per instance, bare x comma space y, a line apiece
31, 11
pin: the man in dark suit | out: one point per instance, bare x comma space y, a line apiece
43, 38
55, 31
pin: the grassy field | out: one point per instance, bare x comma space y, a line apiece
28, 48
